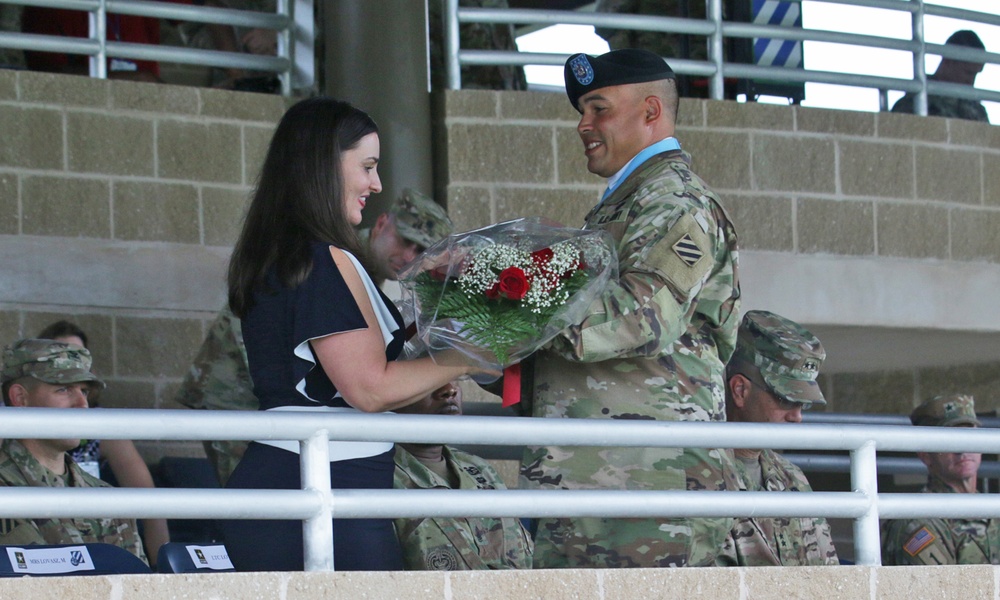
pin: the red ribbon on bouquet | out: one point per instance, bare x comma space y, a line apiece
511, 385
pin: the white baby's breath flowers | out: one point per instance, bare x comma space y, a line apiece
545, 280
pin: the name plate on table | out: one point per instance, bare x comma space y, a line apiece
45, 561
210, 557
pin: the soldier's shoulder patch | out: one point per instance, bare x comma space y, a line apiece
441, 559
681, 255
918, 541
688, 251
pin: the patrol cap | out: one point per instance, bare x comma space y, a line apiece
786, 355
48, 361
946, 411
420, 219
585, 73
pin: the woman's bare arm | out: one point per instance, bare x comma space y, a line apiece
355, 360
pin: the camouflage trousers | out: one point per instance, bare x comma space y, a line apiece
632, 542
628, 543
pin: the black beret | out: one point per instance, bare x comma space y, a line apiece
585, 73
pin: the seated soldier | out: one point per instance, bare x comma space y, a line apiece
937, 541
50, 374
771, 378
454, 543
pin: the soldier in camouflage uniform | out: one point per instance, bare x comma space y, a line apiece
952, 71
474, 36
454, 543
50, 374
771, 378
931, 541
412, 224
667, 45
654, 345
219, 377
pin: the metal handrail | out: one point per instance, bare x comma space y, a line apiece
716, 30
98, 47
316, 503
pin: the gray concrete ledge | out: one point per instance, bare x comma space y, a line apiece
108, 274
828, 583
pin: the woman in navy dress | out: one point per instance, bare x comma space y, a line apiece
319, 334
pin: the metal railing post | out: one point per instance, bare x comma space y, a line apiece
919, 58
317, 531
716, 85
98, 22
286, 42
864, 479
451, 43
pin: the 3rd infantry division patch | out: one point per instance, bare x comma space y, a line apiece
688, 251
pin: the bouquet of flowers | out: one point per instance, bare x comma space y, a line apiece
500, 293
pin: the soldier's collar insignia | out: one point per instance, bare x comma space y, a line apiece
582, 71
688, 251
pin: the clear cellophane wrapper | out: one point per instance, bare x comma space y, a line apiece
495, 295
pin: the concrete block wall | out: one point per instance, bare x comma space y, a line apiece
119, 204
837, 200
796, 180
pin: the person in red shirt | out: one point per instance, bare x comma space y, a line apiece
120, 28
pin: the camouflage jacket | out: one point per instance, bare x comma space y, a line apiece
474, 36
943, 106
653, 347
455, 544
667, 45
789, 542
19, 468
941, 541
219, 378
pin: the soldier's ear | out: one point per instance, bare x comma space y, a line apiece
739, 389
17, 395
924, 458
654, 108
380, 223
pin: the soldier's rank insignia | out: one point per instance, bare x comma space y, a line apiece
688, 251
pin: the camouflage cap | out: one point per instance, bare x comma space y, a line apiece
786, 355
48, 361
420, 219
946, 411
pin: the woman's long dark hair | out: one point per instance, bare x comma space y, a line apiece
298, 199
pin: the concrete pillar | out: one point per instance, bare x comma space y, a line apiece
376, 58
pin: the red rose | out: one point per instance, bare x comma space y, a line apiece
513, 283
542, 257
494, 292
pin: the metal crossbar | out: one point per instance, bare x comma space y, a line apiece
315, 503
716, 31
292, 21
